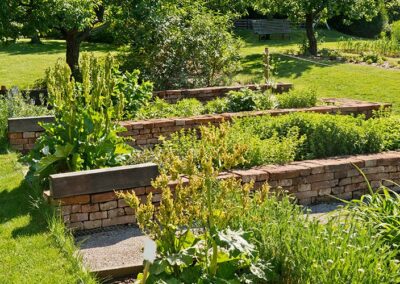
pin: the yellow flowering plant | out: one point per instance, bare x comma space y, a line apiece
191, 225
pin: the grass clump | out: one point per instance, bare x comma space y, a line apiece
302, 250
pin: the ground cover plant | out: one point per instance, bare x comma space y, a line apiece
34, 245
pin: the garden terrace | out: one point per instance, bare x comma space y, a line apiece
87, 202
23, 132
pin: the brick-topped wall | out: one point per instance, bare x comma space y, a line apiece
23, 132
210, 93
312, 181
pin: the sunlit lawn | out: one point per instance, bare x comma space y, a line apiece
21, 64
28, 250
335, 80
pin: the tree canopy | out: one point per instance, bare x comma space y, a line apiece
311, 11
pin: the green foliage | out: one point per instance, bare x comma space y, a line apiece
85, 132
370, 57
159, 108
179, 44
247, 100
14, 105
383, 46
218, 105
297, 99
136, 94
303, 250
325, 135
32, 234
225, 138
191, 226
395, 31
380, 210
366, 28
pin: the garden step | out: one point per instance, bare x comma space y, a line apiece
116, 252
111, 253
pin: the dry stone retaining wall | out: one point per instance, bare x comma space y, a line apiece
312, 181
23, 132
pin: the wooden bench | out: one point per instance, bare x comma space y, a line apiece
266, 28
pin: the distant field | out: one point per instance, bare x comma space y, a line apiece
21, 64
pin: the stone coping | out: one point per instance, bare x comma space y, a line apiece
102, 180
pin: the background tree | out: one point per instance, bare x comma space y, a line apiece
74, 19
311, 11
177, 43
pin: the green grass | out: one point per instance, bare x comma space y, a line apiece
22, 63
335, 80
30, 252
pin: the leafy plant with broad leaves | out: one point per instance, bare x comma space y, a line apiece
137, 94
85, 132
191, 225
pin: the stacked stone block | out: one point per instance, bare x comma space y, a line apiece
312, 181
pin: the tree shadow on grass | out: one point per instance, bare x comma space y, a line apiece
49, 47
284, 66
24, 200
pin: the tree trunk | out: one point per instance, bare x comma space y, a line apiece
73, 47
312, 41
35, 39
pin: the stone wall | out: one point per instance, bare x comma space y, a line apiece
23, 132
210, 93
312, 181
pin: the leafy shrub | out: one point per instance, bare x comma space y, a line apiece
85, 133
15, 105
159, 108
136, 95
302, 250
247, 100
180, 46
370, 57
330, 53
396, 31
297, 99
218, 105
325, 135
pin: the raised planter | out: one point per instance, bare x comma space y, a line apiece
23, 132
87, 203
172, 96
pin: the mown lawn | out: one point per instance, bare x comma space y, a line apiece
330, 79
22, 63
30, 252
